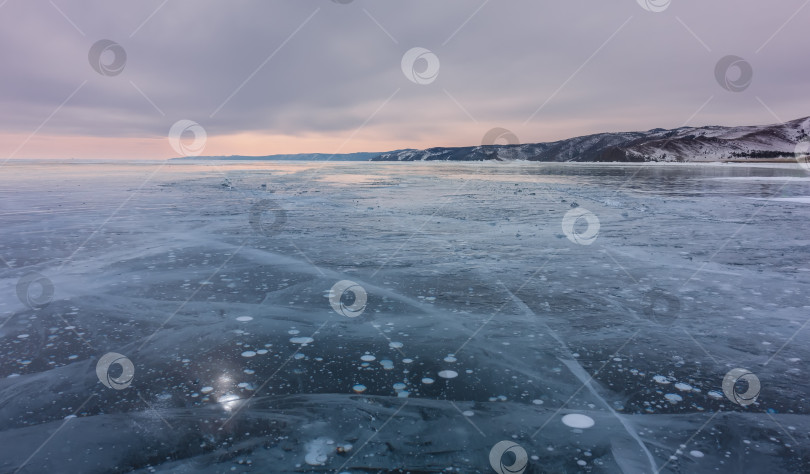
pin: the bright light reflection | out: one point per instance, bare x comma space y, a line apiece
229, 401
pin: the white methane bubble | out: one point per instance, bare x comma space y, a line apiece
578, 421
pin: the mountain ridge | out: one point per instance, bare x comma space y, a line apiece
712, 143
684, 144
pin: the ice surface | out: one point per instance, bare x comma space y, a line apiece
482, 323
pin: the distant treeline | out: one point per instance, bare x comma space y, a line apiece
763, 154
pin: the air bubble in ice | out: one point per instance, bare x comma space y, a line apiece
448, 374
673, 397
301, 340
683, 387
576, 420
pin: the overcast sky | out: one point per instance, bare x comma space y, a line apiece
265, 77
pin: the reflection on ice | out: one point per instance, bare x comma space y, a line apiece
229, 401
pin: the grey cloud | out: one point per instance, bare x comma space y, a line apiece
500, 65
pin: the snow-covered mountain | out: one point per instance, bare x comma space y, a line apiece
685, 144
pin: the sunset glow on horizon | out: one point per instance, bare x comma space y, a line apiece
373, 139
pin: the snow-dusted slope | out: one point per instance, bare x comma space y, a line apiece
712, 143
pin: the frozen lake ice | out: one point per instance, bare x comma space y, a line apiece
406, 317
